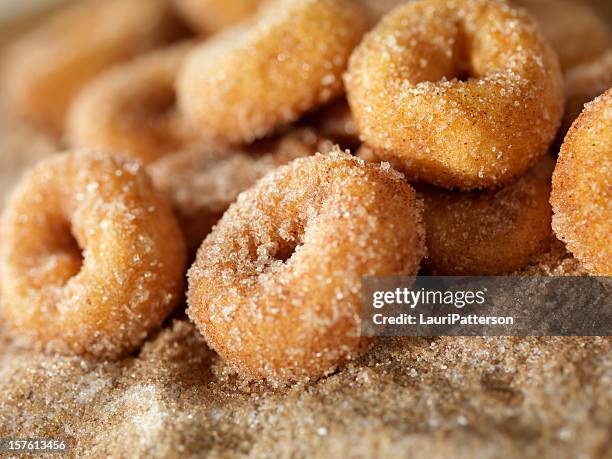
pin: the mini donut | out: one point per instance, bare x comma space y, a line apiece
202, 182
582, 187
275, 288
210, 16
491, 232
456, 94
92, 258
242, 84
46, 68
131, 108
575, 30
335, 122
583, 83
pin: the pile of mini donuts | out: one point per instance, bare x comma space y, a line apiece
285, 149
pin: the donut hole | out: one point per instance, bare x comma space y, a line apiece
65, 256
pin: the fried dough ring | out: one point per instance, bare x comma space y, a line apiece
130, 109
92, 258
242, 84
45, 69
584, 83
488, 233
582, 187
574, 29
275, 288
414, 111
210, 16
202, 182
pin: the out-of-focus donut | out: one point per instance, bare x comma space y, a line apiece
131, 108
243, 83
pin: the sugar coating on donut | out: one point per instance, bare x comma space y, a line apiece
45, 69
456, 94
275, 288
489, 232
210, 16
92, 258
131, 108
576, 31
241, 84
203, 181
584, 83
582, 187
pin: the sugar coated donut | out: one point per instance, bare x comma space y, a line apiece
575, 30
456, 94
210, 16
288, 59
583, 83
46, 68
203, 181
582, 187
489, 232
92, 258
275, 288
131, 108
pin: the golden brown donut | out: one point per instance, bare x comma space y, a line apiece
583, 83
456, 94
131, 108
275, 288
210, 16
203, 181
243, 83
576, 31
582, 187
489, 232
46, 68
92, 258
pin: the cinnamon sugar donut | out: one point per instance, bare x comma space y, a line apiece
243, 83
210, 16
46, 68
582, 187
92, 258
456, 94
275, 288
131, 108
203, 181
489, 232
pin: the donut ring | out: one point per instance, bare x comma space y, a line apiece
92, 258
131, 108
489, 233
582, 187
574, 29
201, 183
584, 83
44, 70
242, 84
414, 111
210, 16
275, 288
